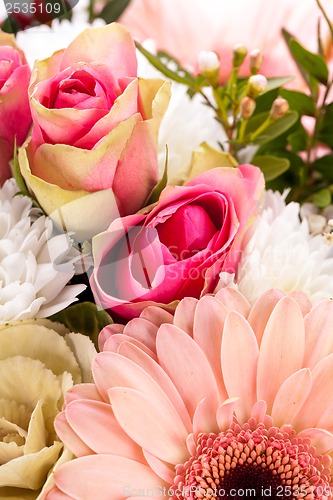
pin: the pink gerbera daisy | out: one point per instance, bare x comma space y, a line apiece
219, 401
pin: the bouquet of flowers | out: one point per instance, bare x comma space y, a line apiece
166, 262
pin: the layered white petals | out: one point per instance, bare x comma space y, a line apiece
34, 267
283, 253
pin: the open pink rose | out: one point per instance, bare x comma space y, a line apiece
15, 117
179, 247
95, 127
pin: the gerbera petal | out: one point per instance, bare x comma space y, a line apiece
302, 300
320, 438
262, 310
142, 330
160, 468
156, 428
115, 370
259, 411
234, 301
282, 349
68, 435
105, 477
239, 358
318, 333
156, 315
83, 391
208, 326
187, 366
184, 314
225, 412
316, 410
113, 343
105, 435
291, 397
56, 494
204, 419
155, 371
107, 332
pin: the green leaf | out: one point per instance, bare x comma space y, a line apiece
16, 172
326, 126
264, 101
275, 83
84, 318
322, 198
271, 166
113, 10
299, 102
275, 129
298, 140
324, 165
155, 194
312, 63
180, 75
288, 37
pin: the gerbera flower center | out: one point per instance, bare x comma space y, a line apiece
254, 461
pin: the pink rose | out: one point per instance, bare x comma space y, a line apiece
179, 247
95, 131
15, 117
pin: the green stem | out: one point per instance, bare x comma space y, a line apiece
262, 127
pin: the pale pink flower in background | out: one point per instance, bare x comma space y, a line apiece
186, 27
218, 396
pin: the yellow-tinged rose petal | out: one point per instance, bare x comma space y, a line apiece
205, 158
70, 168
155, 95
7, 39
30, 471
50, 197
85, 214
45, 69
111, 45
38, 342
84, 351
37, 435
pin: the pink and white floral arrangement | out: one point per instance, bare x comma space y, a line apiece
166, 263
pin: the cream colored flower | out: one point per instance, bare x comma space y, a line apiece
39, 361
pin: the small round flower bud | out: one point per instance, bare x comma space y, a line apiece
279, 108
208, 62
256, 59
240, 52
257, 85
247, 107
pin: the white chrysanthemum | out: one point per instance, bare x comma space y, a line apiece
34, 265
282, 253
186, 124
